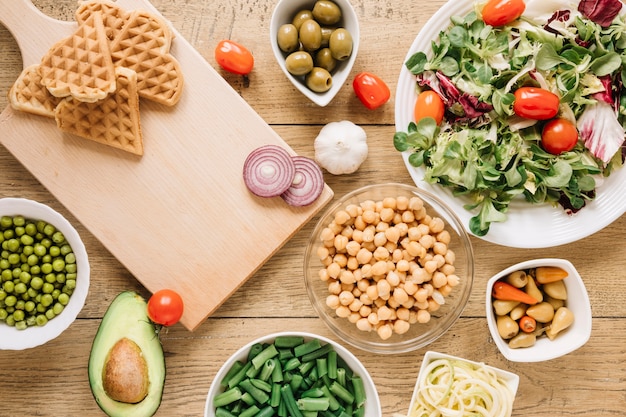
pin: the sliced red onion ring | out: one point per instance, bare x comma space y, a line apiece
268, 171
307, 185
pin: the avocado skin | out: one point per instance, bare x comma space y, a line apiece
127, 316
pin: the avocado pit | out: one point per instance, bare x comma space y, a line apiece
125, 373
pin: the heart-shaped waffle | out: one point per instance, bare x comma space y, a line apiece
28, 94
113, 17
113, 121
143, 45
80, 65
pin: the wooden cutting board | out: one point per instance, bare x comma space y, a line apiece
179, 217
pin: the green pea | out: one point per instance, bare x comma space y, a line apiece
54, 251
18, 315
6, 222
6, 275
29, 306
10, 301
3, 294
19, 221
71, 284
20, 288
40, 250
26, 239
3, 314
58, 308
25, 277
20, 325
41, 320
49, 229
8, 286
31, 229
64, 299
58, 265
36, 283
58, 238
13, 245
47, 288
47, 300
50, 314
14, 259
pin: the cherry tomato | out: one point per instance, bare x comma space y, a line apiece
234, 57
501, 12
165, 307
559, 135
371, 90
429, 104
535, 103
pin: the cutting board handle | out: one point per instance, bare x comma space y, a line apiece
33, 31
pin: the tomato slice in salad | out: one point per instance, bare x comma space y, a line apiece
429, 104
535, 103
558, 136
502, 12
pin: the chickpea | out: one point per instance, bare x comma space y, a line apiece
385, 331
423, 316
387, 263
363, 324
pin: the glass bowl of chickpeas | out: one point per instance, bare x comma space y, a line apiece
315, 43
44, 274
389, 268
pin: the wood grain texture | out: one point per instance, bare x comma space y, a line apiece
178, 216
589, 381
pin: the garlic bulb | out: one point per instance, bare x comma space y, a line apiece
341, 147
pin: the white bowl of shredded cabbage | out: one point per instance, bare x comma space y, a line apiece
452, 386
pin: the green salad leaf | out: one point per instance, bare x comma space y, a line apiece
489, 157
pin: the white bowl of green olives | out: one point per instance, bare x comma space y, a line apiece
44, 274
315, 43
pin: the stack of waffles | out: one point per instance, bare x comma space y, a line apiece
92, 81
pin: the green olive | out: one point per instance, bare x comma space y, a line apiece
319, 80
340, 44
310, 35
299, 63
302, 16
326, 32
326, 12
324, 59
287, 38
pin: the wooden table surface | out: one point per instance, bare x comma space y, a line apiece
51, 380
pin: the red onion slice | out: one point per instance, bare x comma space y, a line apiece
268, 171
307, 185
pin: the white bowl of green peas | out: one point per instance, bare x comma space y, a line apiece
297, 373
44, 274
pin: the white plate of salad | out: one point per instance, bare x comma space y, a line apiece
500, 158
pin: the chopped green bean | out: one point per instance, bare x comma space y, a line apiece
341, 392
227, 397
307, 347
359, 391
288, 341
298, 385
268, 353
313, 404
259, 395
290, 401
250, 411
255, 350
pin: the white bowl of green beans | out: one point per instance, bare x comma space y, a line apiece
44, 274
297, 373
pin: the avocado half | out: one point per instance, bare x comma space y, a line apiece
126, 320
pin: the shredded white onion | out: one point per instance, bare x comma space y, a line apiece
453, 388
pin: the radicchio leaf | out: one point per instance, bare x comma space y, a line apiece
601, 12
600, 130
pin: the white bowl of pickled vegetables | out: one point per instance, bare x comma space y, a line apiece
463, 387
44, 274
558, 323
291, 369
